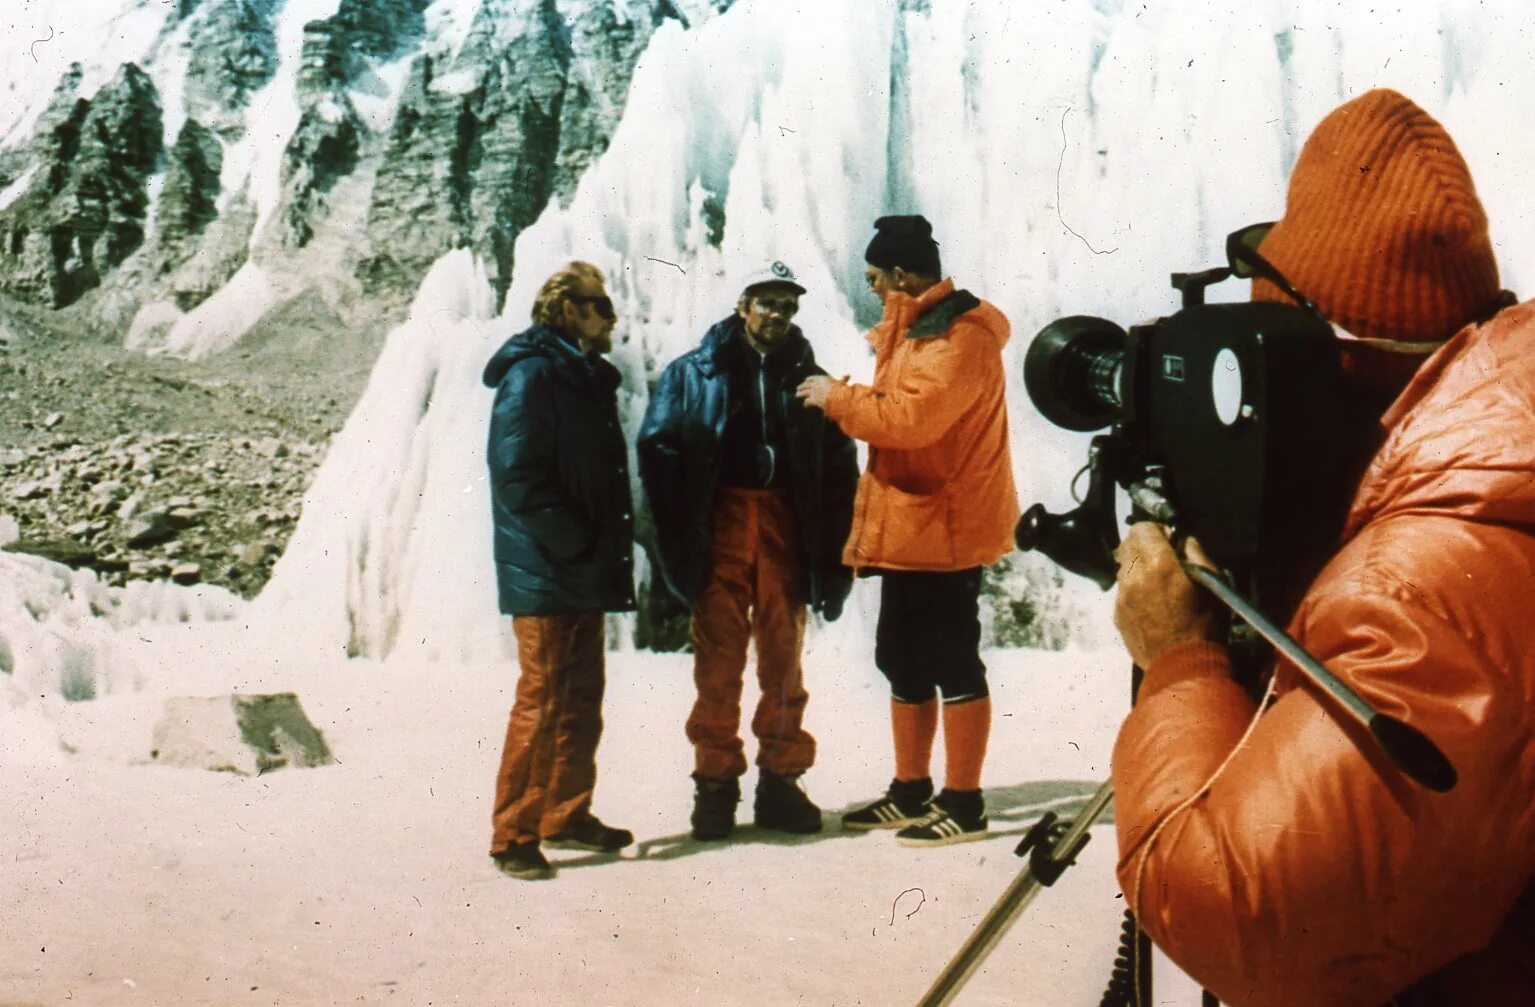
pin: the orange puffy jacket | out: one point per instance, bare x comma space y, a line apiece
938, 490
1311, 871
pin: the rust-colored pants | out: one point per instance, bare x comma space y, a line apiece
549, 763
754, 590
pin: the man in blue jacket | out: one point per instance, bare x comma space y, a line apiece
564, 543
752, 498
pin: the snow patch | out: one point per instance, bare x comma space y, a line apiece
460, 81
60, 638
151, 325
376, 106
222, 319
447, 23
16, 189
45, 36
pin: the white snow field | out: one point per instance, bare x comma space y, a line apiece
367, 881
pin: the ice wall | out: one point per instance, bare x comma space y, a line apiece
392, 555
1071, 156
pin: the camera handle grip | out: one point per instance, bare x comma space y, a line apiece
1409, 749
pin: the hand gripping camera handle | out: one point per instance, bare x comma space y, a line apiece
1409, 749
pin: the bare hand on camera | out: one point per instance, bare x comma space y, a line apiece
1158, 606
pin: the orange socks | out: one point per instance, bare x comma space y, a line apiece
966, 726
913, 726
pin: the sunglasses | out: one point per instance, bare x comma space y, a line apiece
785, 307
602, 304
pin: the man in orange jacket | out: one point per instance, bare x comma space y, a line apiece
1276, 856
935, 504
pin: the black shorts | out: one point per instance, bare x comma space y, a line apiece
928, 638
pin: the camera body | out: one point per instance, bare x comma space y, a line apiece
1228, 421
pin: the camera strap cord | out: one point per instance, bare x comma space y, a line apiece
1409, 749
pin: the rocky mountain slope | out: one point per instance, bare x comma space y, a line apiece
154, 467
206, 230
374, 139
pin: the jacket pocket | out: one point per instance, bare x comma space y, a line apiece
912, 528
563, 537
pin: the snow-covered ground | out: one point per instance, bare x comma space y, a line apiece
367, 881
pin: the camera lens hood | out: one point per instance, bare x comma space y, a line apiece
1072, 372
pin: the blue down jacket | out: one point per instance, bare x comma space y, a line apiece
559, 479
679, 457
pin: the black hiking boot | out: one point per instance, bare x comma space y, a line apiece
714, 806
523, 860
585, 832
781, 804
904, 803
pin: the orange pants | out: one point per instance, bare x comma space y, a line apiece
549, 762
754, 590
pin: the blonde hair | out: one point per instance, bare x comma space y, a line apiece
559, 288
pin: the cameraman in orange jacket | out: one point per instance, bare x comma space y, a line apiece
1276, 856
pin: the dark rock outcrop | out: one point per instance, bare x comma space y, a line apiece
189, 200
484, 140
83, 213
233, 54
324, 150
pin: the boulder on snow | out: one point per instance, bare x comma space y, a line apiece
249, 735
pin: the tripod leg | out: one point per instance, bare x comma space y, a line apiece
1052, 861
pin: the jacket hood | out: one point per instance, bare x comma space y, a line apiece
538, 341
1460, 439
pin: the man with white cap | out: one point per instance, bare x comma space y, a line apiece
751, 495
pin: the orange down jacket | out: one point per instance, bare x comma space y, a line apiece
1311, 871
937, 493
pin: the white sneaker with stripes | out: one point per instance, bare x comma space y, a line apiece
939, 827
885, 813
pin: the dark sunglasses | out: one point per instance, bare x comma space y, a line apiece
788, 307
603, 304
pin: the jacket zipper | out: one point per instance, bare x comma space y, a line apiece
762, 410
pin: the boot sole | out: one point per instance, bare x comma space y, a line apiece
525, 873
798, 830
575, 844
894, 823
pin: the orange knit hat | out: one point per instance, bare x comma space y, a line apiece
1382, 226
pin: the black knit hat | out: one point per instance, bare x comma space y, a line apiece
906, 242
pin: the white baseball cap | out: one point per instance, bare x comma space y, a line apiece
775, 274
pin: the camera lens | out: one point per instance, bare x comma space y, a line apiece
1074, 372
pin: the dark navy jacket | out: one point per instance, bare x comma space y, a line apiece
559, 479
680, 458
